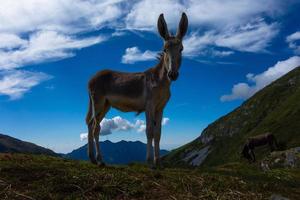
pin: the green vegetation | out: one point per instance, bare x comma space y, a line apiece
43, 177
275, 109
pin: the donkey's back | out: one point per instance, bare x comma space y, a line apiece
260, 140
108, 82
123, 91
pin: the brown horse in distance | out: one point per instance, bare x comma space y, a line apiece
260, 140
147, 91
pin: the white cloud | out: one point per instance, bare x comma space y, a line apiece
218, 13
217, 53
83, 136
195, 44
67, 16
120, 124
43, 46
115, 124
16, 83
254, 36
259, 81
165, 121
10, 41
143, 15
294, 41
224, 13
140, 126
133, 55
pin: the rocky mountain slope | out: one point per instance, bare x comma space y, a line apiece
12, 145
122, 152
275, 109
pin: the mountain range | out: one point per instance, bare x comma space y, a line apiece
122, 152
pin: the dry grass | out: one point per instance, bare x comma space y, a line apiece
43, 177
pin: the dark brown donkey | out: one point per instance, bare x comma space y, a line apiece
147, 91
260, 140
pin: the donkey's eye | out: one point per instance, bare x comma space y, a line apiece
165, 50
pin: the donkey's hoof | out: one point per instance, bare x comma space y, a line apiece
101, 164
93, 161
156, 167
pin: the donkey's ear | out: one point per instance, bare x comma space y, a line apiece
182, 28
162, 27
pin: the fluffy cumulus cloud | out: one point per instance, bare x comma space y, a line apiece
120, 124
294, 41
15, 83
134, 54
259, 81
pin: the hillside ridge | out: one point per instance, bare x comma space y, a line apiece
275, 108
10, 144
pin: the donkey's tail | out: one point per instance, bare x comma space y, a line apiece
92, 104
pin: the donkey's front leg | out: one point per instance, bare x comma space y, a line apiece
91, 144
98, 152
149, 134
157, 135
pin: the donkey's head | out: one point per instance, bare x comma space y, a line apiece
172, 45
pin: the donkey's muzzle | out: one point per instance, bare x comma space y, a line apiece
173, 75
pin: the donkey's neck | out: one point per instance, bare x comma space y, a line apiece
160, 70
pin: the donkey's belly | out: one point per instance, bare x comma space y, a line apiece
127, 104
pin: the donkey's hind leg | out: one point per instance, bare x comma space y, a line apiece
91, 142
272, 143
157, 135
103, 109
90, 124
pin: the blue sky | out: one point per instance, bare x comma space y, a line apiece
50, 49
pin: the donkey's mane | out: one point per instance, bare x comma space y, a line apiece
160, 56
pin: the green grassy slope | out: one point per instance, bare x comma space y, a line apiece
43, 177
276, 109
